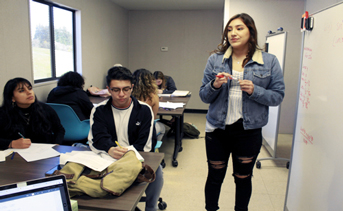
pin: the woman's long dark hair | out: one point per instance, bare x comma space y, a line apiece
252, 42
160, 75
14, 116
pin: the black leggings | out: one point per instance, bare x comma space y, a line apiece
245, 146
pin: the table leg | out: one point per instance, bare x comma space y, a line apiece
178, 138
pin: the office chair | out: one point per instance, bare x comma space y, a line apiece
75, 130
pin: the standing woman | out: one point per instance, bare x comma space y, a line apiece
25, 120
145, 90
165, 84
238, 108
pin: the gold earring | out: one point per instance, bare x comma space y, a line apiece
13, 104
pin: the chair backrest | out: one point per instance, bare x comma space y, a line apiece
75, 129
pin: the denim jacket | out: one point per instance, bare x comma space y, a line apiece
269, 89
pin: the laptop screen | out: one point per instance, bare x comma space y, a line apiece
49, 193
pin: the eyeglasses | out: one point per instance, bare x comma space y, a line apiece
125, 90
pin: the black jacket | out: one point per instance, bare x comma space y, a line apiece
54, 136
141, 130
76, 98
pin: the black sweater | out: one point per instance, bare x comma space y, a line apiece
76, 98
54, 136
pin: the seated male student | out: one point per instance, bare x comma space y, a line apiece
130, 122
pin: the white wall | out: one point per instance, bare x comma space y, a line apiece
189, 35
270, 15
104, 29
313, 6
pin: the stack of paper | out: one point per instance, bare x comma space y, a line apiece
171, 105
180, 93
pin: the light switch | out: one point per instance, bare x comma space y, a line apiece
164, 48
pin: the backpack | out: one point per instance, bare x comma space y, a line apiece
190, 131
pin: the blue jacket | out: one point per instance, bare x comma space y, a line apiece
269, 89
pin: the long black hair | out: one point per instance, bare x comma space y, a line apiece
13, 116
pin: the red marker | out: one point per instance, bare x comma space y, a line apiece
220, 76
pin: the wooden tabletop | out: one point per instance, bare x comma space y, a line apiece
17, 170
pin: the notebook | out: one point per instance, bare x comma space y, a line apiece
49, 193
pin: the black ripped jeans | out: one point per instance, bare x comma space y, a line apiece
245, 146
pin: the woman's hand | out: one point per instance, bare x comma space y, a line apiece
117, 152
221, 78
247, 86
21, 143
160, 91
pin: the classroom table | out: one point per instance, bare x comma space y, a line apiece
17, 169
178, 114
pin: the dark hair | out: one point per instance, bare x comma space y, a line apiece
252, 42
160, 75
71, 78
118, 73
144, 84
13, 115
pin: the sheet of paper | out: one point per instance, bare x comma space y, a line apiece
37, 152
164, 95
171, 105
89, 159
97, 162
180, 93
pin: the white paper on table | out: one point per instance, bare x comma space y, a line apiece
180, 93
89, 159
97, 162
164, 95
4, 154
171, 105
37, 152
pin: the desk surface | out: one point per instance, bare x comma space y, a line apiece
18, 169
161, 111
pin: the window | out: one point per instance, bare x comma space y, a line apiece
53, 40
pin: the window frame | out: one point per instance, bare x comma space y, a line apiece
52, 39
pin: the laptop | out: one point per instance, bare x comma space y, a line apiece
49, 193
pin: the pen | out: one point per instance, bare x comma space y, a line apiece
232, 78
21, 135
12, 156
118, 144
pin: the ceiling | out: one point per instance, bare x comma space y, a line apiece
170, 4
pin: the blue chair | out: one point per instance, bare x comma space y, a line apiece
75, 130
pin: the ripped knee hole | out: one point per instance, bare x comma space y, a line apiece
217, 164
241, 176
245, 159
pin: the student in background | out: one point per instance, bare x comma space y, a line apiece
145, 90
25, 120
238, 108
70, 91
124, 119
165, 84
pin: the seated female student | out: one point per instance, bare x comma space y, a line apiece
145, 90
69, 91
25, 120
166, 84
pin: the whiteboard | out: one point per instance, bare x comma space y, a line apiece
315, 179
276, 45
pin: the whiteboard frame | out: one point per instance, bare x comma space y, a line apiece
297, 105
273, 130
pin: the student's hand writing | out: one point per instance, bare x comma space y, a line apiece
160, 91
247, 86
117, 152
21, 143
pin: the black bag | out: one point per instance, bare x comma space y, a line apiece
190, 131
